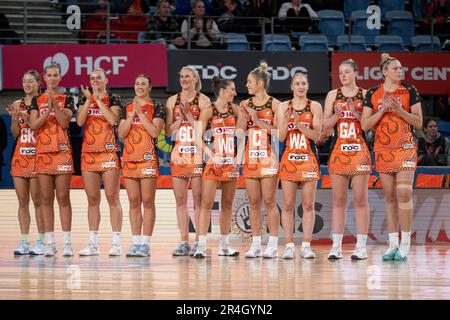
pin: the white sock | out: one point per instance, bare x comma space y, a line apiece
50, 237
306, 244
256, 241
93, 237
41, 236
202, 241
66, 235
393, 239
146, 240
290, 245
337, 239
361, 240
273, 241
136, 240
224, 241
406, 237
116, 238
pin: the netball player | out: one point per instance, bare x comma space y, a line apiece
300, 124
393, 108
22, 165
99, 112
260, 167
349, 159
220, 118
50, 118
142, 121
183, 110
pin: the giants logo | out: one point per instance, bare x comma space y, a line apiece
190, 149
147, 156
109, 146
298, 157
257, 153
350, 147
27, 151
27, 136
407, 145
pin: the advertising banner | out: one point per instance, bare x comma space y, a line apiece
122, 63
428, 72
236, 66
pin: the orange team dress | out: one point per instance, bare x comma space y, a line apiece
22, 163
139, 155
349, 152
300, 162
100, 149
53, 148
260, 160
222, 126
395, 144
186, 158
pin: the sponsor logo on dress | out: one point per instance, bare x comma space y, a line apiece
362, 167
148, 171
109, 146
65, 167
187, 149
224, 130
63, 147
351, 147
269, 171
108, 164
310, 175
407, 145
25, 151
148, 156
94, 112
257, 153
298, 157
408, 164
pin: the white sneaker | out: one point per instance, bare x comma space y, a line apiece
335, 253
200, 252
270, 252
67, 252
402, 253
307, 253
228, 251
38, 248
360, 253
22, 249
254, 252
91, 250
289, 253
115, 250
390, 253
50, 250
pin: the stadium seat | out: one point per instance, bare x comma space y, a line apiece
354, 5
358, 43
141, 37
359, 26
313, 42
424, 44
401, 23
389, 5
237, 42
331, 24
277, 42
389, 43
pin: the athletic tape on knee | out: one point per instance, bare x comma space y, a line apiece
408, 205
405, 185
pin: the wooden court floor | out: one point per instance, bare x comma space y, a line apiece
426, 275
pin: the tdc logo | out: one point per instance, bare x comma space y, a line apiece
61, 59
74, 20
